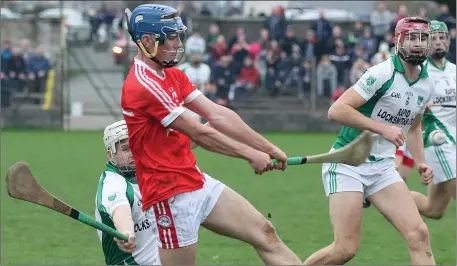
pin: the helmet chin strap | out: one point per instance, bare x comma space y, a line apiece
412, 59
439, 55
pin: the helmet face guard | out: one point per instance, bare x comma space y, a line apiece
412, 40
440, 39
122, 157
167, 30
115, 138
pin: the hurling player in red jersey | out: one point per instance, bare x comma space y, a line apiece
177, 196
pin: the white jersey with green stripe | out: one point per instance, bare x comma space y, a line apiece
114, 190
391, 99
445, 91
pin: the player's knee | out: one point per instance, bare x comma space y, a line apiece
345, 250
418, 237
435, 215
268, 238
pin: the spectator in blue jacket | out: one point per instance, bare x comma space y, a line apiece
38, 67
6, 54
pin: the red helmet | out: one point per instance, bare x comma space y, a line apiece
411, 39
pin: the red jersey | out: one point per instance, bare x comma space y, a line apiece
165, 164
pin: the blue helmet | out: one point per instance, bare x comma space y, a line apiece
159, 20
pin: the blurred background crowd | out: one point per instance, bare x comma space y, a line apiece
275, 59
227, 66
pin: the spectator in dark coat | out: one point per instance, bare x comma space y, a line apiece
17, 71
451, 56
224, 76
446, 16
276, 24
38, 68
308, 46
289, 41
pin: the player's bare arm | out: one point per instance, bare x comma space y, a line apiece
122, 218
229, 123
344, 112
212, 140
193, 145
415, 144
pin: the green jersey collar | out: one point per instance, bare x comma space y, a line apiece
437, 67
111, 168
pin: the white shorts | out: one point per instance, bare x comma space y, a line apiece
442, 160
177, 220
367, 178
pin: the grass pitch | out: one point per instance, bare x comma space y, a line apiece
69, 165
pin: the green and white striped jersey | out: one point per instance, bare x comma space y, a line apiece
391, 99
444, 93
115, 190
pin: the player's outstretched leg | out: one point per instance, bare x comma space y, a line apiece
397, 205
437, 201
346, 217
235, 217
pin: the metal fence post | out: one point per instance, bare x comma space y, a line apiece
314, 84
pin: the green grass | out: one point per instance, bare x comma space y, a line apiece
69, 164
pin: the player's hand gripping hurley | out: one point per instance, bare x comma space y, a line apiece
22, 185
355, 153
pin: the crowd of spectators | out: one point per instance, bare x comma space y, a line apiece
227, 68
22, 70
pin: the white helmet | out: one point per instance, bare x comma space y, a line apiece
114, 133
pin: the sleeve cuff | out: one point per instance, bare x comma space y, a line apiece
172, 116
362, 93
116, 204
192, 96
